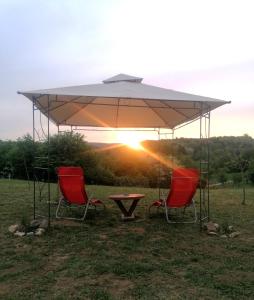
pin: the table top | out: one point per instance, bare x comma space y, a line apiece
126, 196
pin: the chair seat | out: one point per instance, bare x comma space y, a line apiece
184, 182
73, 193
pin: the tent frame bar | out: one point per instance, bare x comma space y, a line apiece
41, 166
204, 136
89, 129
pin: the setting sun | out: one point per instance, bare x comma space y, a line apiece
130, 139
134, 145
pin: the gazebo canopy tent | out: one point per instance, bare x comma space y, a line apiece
123, 101
120, 102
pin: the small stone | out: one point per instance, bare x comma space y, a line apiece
19, 233
34, 224
230, 228
211, 227
22, 228
39, 231
217, 226
212, 233
234, 234
224, 236
44, 224
30, 233
13, 228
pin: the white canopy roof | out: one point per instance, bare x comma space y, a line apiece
121, 101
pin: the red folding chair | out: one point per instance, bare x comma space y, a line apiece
184, 183
72, 186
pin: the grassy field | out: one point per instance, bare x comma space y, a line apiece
105, 258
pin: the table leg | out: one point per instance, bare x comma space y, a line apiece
127, 213
133, 206
122, 208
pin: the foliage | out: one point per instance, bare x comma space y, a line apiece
17, 157
231, 159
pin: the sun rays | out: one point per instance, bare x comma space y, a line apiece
133, 141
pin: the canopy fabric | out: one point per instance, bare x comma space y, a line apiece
122, 101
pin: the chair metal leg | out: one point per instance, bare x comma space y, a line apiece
149, 210
195, 211
86, 208
166, 211
67, 218
184, 222
58, 208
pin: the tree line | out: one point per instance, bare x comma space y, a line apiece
231, 159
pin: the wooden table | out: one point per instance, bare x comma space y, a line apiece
127, 214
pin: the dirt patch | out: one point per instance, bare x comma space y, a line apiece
157, 238
180, 274
67, 286
123, 230
231, 278
114, 285
69, 223
103, 236
5, 289
65, 283
54, 262
249, 240
119, 229
119, 287
139, 230
21, 246
136, 256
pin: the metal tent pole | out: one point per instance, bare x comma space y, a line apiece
204, 206
160, 164
159, 181
172, 156
34, 154
200, 169
208, 167
48, 163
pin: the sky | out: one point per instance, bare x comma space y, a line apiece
204, 47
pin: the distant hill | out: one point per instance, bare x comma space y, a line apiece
101, 145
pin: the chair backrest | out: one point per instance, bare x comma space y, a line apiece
71, 181
184, 184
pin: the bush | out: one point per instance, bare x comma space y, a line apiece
237, 178
251, 176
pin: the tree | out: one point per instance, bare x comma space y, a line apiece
241, 164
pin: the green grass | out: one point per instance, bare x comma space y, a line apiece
105, 258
